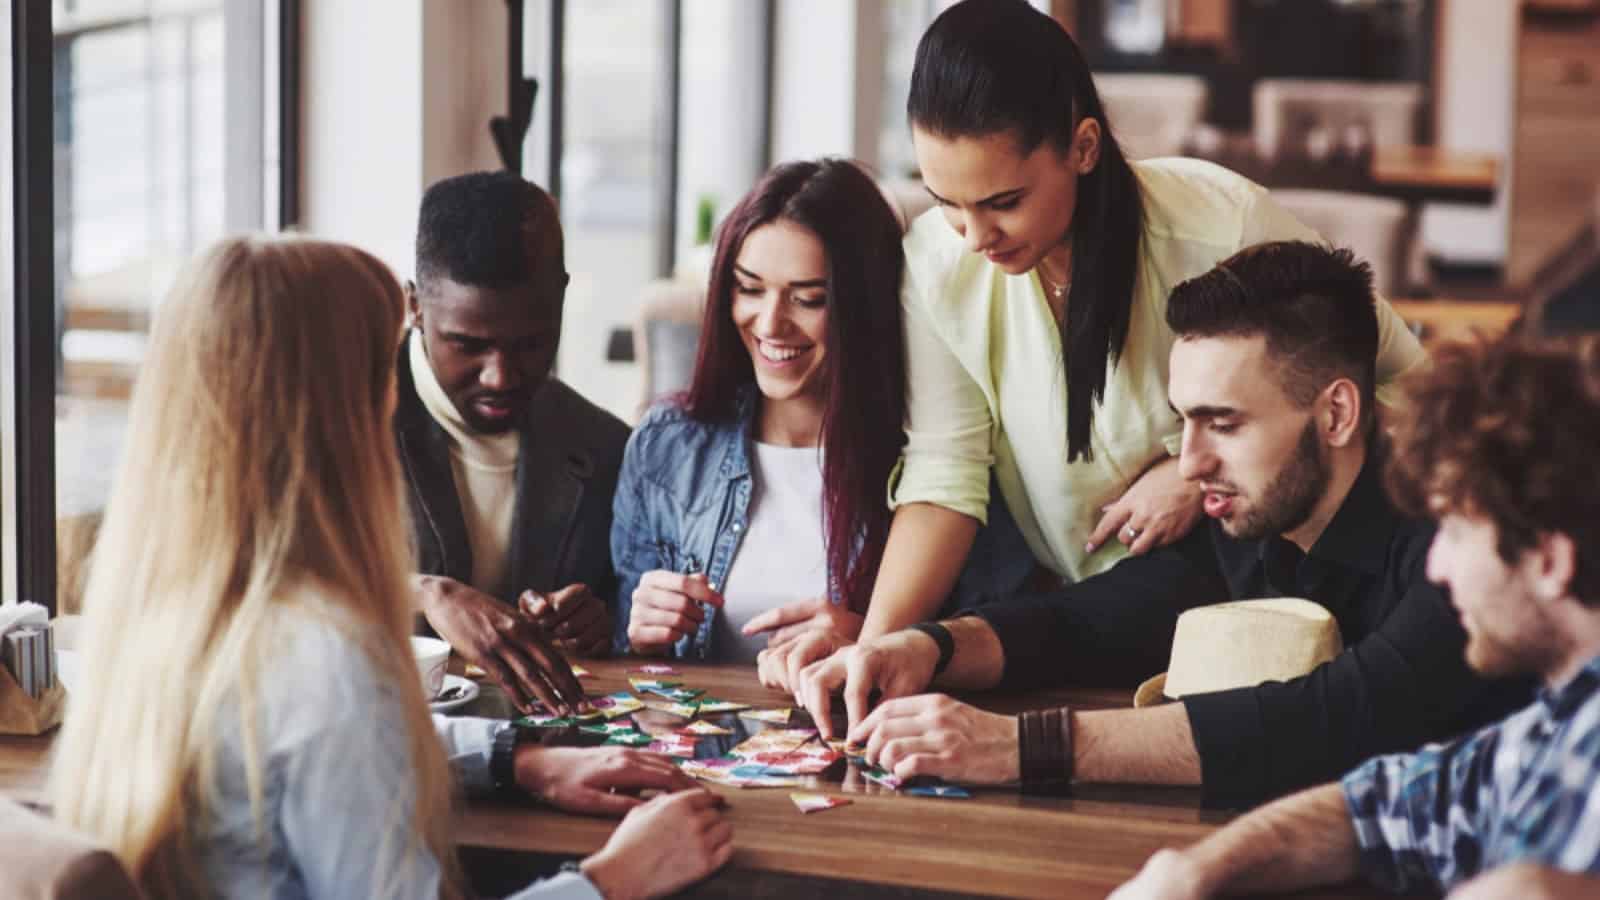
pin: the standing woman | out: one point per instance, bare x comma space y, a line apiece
251, 721
1034, 313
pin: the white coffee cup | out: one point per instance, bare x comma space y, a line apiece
432, 655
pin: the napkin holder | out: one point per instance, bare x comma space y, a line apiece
22, 714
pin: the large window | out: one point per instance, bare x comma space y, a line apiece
649, 122
162, 130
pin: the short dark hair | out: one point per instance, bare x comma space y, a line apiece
485, 229
988, 67
1505, 430
1314, 304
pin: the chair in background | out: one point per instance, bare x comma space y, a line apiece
1315, 119
666, 331
1152, 115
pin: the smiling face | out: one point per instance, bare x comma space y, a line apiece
780, 308
1010, 207
1508, 630
1254, 452
491, 348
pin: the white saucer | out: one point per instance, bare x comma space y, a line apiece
466, 684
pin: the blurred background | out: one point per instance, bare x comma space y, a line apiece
1448, 141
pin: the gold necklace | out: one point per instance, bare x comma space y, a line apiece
1058, 290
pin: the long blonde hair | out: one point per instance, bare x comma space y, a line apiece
259, 457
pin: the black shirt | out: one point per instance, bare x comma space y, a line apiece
1402, 681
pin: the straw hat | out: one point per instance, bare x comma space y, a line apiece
1241, 644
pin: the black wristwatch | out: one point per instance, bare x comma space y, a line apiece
941, 636
503, 759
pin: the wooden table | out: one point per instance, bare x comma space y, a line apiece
998, 843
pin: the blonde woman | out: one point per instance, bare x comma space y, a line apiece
251, 723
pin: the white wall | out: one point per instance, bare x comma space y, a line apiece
394, 97
1476, 99
826, 81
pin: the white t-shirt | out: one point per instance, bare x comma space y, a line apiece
782, 556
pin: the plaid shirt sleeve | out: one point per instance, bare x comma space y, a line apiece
1420, 818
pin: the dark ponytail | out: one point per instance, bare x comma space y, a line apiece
988, 67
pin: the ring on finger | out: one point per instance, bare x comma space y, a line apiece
1131, 532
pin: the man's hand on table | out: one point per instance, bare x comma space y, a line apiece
502, 641
600, 781
663, 846
897, 664
574, 617
1167, 875
933, 734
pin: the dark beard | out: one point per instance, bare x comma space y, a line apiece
1293, 493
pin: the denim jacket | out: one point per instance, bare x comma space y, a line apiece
683, 503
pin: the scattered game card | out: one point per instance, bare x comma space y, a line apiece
703, 727
882, 776
713, 705
716, 770
775, 716
613, 727
939, 790
810, 803
655, 669
768, 781
650, 684
675, 694
774, 742
619, 704
630, 739
580, 672
673, 745
685, 710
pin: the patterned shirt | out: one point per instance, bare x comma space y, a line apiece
1522, 790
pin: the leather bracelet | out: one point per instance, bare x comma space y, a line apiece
941, 636
1044, 743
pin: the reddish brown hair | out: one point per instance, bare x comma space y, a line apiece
1508, 430
865, 376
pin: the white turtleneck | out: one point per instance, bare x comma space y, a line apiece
485, 470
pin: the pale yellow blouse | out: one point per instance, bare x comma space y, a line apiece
987, 383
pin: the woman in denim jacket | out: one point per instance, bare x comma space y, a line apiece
752, 509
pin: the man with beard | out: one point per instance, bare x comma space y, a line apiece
1272, 374
1500, 449
511, 473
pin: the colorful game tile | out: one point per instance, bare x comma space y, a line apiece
704, 728
672, 747
655, 669
650, 684
685, 710
773, 716
710, 705
675, 694
580, 672
810, 803
884, 777
948, 791
619, 704
630, 739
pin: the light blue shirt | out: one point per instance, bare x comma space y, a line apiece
335, 806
